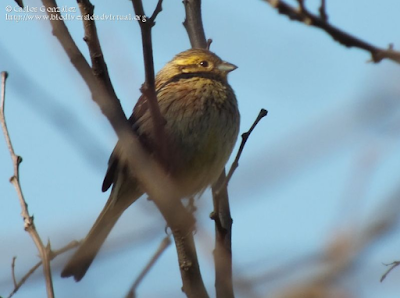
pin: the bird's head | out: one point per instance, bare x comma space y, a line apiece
196, 61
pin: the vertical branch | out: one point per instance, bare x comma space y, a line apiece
223, 239
221, 214
223, 222
182, 226
148, 88
193, 24
44, 251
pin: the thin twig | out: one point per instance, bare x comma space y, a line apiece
24, 279
156, 11
209, 42
322, 11
13, 271
53, 254
28, 220
163, 246
344, 38
392, 266
245, 137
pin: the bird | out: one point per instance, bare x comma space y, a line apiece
201, 126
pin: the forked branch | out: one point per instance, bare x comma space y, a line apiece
304, 16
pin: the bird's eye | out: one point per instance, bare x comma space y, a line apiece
204, 63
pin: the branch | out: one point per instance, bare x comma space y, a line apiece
153, 178
20, 3
155, 182
223, 239
99, 66
221, 214
163, 246
44, 251
182, 228
100, 71
223, 223
245, 137
344, 38
53, 254
322, 11
392, 266
13, 272
148, 88
156, 11
209, 42
194, 24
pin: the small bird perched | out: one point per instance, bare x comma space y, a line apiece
202, 125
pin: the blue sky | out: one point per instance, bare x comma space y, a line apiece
317, 168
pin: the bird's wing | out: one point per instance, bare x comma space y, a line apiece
113, 164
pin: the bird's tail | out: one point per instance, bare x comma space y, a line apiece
119, 200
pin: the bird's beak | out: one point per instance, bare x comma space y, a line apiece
226, 67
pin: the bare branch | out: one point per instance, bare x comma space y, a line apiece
221, 214
194, 24
99, 66
13, 272
344, 38
322, 11
209, 42
18, 285
245, 137
28, 220
392, 266
163, 246
20, 3
148, 88
223, 223
146, 169
156, 11
159, 186
53, 254
301, 5
182, 229
223, 239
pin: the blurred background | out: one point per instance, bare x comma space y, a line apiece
315, 200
